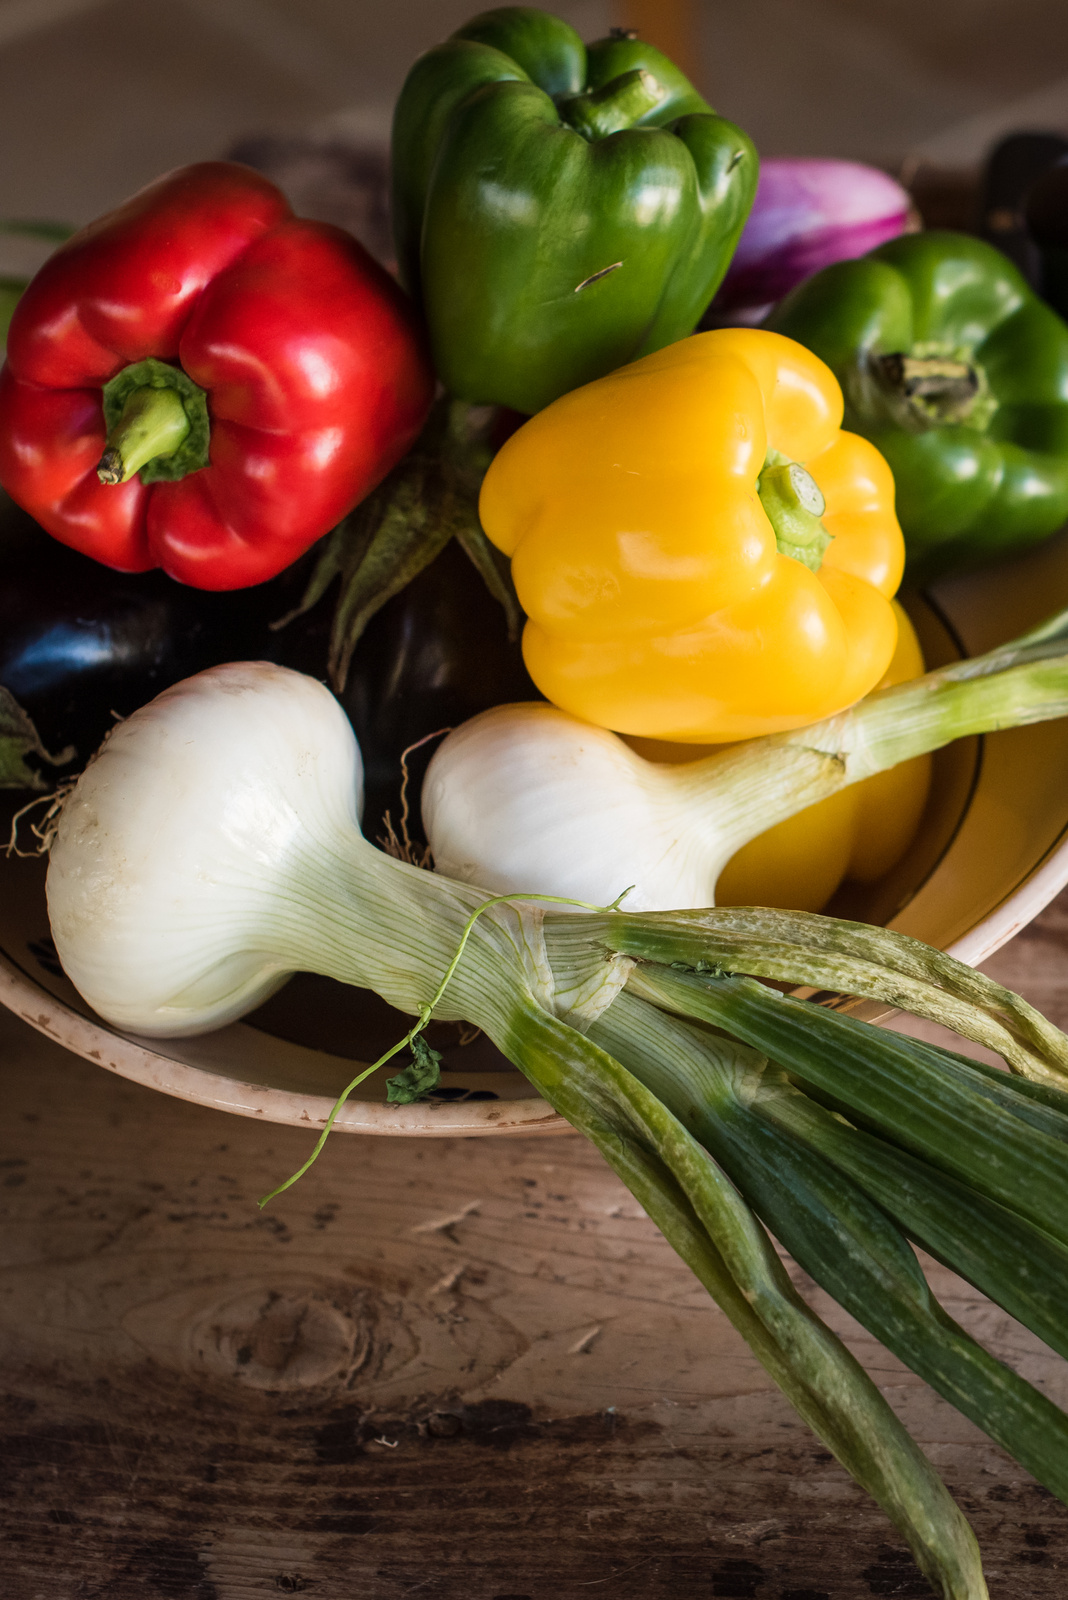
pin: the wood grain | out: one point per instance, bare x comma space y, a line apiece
467, 1370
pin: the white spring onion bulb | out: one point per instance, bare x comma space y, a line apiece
169, 854
211, 849
529, 797
526, 796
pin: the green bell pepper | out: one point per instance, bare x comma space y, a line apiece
558, 211
959, 374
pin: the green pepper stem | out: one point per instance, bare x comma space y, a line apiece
933, 388
153, 423
930, 376
618, 104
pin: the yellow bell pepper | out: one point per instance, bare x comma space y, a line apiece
702, 554
857, 834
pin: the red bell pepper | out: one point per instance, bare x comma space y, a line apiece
204, 382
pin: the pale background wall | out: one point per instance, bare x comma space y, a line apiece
97, 96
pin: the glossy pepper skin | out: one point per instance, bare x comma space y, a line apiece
558, 211
306, 352
673, 589
959, 374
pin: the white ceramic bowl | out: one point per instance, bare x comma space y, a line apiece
991, 853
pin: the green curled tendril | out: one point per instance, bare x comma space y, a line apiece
424, 1017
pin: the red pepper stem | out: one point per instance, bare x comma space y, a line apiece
153, 424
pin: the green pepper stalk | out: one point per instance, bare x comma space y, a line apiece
794, 504
157, 422
153, 424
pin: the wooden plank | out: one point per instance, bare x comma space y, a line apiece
467, 1370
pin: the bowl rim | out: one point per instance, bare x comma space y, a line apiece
140, 1061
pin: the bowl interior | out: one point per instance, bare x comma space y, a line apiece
990, 852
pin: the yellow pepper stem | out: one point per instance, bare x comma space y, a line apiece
794, 504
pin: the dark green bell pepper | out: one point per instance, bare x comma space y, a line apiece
958, 373
558, 211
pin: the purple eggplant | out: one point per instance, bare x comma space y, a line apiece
806, 214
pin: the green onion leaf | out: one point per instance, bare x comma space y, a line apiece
692, 1202
833, 1230
903, 1089
1016, 1265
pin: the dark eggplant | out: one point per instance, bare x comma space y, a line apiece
1012, 168
80, 644
436, 654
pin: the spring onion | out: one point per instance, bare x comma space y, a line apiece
211, 848
526, 795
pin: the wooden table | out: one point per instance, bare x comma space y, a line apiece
467, 1370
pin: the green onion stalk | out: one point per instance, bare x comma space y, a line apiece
211, 848
526, 794
1014, 685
